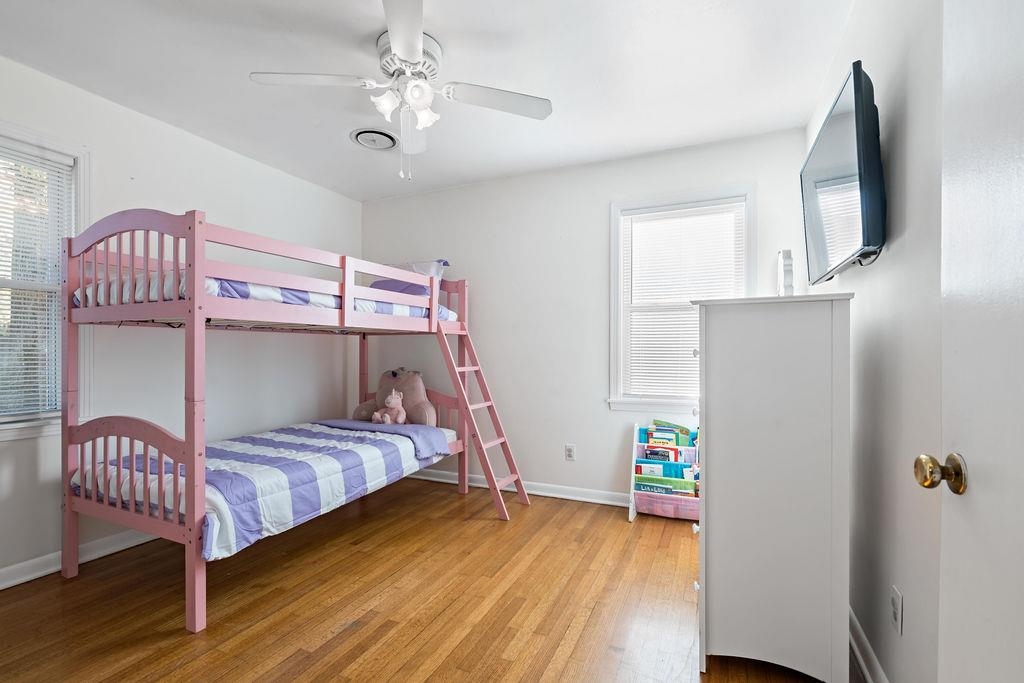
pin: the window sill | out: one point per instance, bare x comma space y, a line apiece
640, 405
29, 429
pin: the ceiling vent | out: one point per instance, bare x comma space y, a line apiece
371, 138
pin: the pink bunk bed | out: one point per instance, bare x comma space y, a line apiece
149, 268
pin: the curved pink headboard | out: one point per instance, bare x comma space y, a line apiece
132, 428
131, 219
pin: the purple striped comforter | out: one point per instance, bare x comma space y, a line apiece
261, 485
234, 289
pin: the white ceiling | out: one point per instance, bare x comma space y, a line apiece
626, 77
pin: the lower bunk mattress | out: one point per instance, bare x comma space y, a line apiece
263, 484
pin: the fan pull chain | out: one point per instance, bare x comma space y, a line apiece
405, 166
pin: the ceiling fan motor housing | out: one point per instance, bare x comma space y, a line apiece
391, 66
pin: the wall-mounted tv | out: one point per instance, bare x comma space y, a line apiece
842, 186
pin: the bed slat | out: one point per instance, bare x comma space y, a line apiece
160, 267
81, 284
90, 490
145, 286
131, 277
120, 470
120, 267
95, 274
106, 470
176, 488
175, 277
132, 498
145, 481
161, 512
83, 489
102, 277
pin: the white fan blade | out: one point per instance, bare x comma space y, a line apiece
413, 141
502, 100
279, 78
405, 28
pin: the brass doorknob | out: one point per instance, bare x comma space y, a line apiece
929, 472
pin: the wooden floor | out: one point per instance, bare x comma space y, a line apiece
411, 583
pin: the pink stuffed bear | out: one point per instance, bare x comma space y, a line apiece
392, 412
418, 409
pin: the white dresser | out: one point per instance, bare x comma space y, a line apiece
775, 481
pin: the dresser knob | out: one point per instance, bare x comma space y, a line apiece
696, 528
696, 586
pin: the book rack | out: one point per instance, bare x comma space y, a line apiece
664, 479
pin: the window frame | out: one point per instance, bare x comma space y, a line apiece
695, 199
47, 424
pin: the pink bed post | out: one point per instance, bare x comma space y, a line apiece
69, 412
364, 379
435, 299
348, 281
195, 422
463, 313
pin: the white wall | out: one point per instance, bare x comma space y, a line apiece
254, 381
535, 249
895, 334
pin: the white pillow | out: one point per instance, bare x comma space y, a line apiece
433, 268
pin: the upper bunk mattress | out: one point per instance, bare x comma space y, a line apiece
263, 484
235, 289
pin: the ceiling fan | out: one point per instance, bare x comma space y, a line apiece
410, 61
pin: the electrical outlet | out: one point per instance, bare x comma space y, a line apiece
570, 452
896, 609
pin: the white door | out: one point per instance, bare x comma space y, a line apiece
981, 597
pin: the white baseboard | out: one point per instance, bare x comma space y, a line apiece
863, 653
535, 488
47, 564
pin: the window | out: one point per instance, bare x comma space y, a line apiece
664, 257
36, 211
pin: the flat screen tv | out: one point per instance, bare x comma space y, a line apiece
841, 184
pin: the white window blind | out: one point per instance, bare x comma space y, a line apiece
36, 211
670, 256
839, 204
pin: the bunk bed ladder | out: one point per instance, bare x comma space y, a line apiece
469, 364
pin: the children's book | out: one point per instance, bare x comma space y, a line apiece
662, 453
654, 488
671, 425
657, 468
675, 484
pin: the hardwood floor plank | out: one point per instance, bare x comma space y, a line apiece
411, 583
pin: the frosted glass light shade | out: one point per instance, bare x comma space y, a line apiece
387, 103
418, 94
425, 118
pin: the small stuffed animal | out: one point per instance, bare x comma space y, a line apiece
418, 409
392, 412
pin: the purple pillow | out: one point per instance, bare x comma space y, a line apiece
401, 287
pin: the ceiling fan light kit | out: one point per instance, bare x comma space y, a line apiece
411, 60
418, 94
425, 118
387, 103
